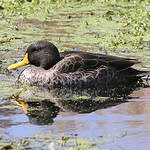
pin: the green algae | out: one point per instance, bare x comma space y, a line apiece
72, 142
112, 26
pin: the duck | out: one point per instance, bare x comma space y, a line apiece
75, 69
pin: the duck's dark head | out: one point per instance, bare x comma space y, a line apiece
41, 54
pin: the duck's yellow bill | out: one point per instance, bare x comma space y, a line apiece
24, 62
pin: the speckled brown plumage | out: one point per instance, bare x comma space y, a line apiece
76, 69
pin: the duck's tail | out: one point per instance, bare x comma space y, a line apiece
131, 72
133, 75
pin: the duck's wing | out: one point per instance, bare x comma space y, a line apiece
74, 60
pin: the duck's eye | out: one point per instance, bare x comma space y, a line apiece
33, 49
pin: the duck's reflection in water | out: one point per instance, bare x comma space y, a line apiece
42, 112
39, 112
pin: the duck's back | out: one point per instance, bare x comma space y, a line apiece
100, 59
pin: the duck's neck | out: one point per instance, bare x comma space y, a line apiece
35, 76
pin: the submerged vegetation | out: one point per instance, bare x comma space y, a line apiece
109, 24
72, 142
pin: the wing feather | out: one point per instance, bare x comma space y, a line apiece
75, 60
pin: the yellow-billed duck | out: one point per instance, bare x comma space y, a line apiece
74, 68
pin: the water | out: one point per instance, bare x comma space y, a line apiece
125, 124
